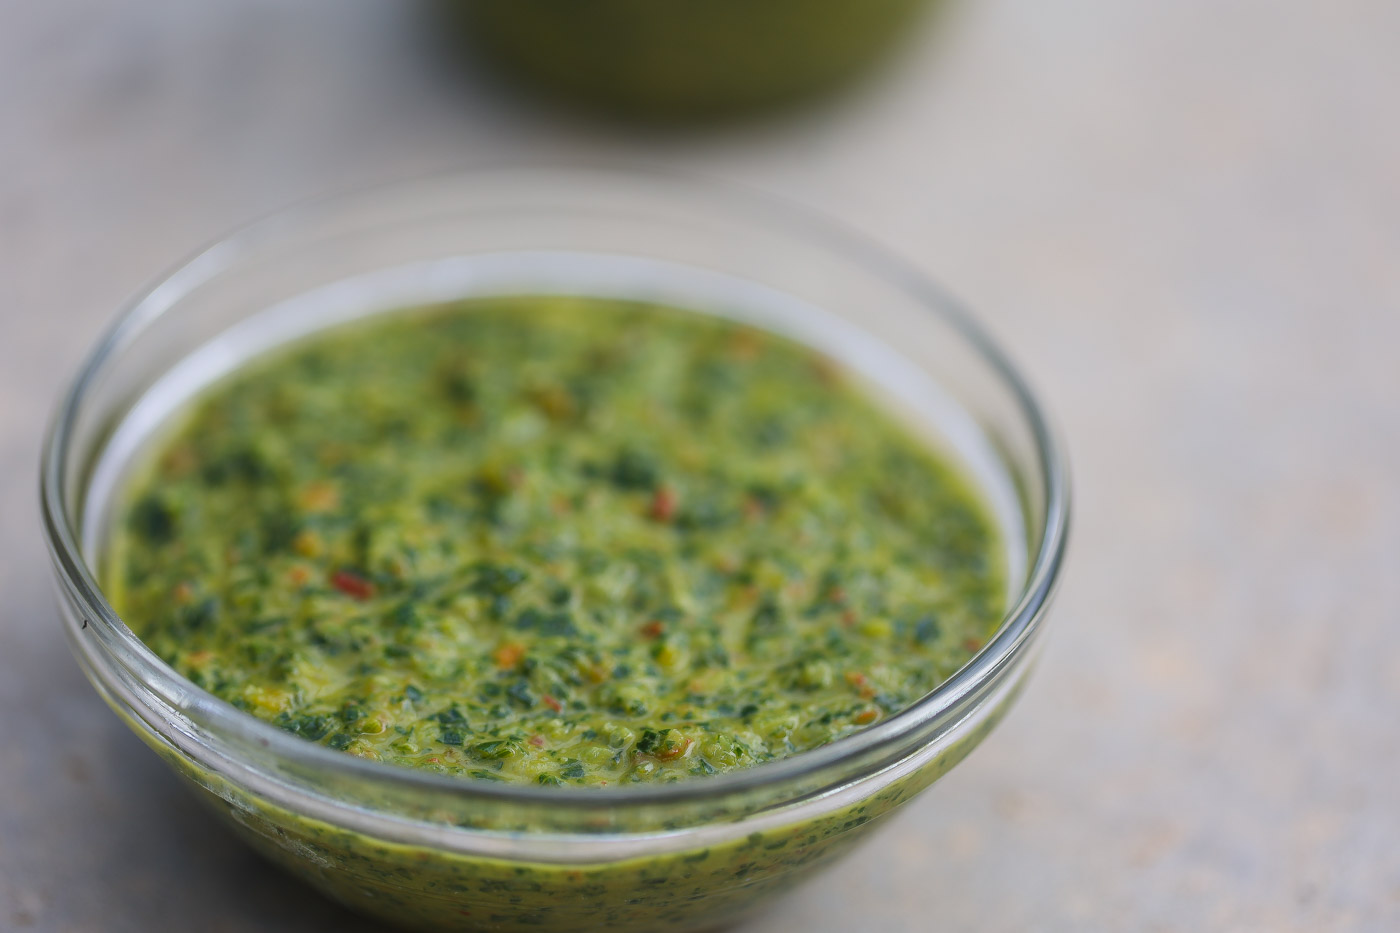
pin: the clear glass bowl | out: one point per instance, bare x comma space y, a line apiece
445, 853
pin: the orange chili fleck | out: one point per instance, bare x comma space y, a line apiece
653, 629
866, 717
827, 372
178, 461
663, 504
352, 585
972, 644
551, 702
676, 751
509, 655
537, 740
320, 497
848, 618
556, 403
745, 345
861, 683
299, 575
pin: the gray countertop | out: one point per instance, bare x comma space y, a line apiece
1182, 218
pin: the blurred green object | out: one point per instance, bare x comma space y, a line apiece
684, 58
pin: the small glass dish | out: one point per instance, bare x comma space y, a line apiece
435, 852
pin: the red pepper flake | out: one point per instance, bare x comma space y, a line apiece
537, 741
653, 629
663, 504
551, 703
861, 683
678, 750
866, 717
848, 618
352, 585
972, 644
433, 760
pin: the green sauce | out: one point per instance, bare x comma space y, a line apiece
555, 541
684, 58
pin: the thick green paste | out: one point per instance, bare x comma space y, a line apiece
555, 540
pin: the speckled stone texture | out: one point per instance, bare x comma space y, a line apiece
1182, 218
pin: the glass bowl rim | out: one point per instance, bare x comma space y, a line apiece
1011, 639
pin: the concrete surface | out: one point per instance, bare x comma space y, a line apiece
1183, 218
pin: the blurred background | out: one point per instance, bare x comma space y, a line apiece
1183, 220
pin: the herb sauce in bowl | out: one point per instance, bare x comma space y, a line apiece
555, 541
